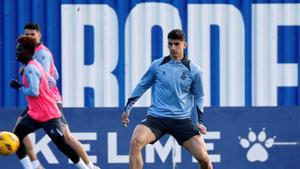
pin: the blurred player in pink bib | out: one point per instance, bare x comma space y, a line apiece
43, 111
44, 56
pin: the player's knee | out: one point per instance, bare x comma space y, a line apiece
67, 134
28, 144
70, 139
136, 144
29, 149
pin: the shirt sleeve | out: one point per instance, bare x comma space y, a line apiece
145, 83
51, 80
56, 75
197, 91
32, 76
45, 59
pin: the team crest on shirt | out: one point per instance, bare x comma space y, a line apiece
183, 75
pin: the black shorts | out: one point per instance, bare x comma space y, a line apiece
59, 105
22, 115
28, 125
62, 118
180, 129
24, 112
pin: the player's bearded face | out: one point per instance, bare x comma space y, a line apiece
33, 34
176, 48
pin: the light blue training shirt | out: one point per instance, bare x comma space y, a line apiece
177, 89
44, 57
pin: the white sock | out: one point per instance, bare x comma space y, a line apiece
81, 164
36, 163
90, 165
26, 163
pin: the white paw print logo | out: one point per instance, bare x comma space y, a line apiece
257, 145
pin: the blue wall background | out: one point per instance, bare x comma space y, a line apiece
15, 13
226, 125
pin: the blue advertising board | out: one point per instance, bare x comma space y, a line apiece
248, 50
248, 138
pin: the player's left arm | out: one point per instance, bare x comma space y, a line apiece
45, 59
197, 91
56, 74
51, 80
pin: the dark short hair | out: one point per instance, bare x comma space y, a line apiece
28, 43
177, 34
32, 26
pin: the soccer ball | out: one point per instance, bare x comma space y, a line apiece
9, 143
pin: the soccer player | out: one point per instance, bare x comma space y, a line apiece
176, 91
44, 57
43, 111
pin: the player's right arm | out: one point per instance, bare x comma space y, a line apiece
32, 76
145, 83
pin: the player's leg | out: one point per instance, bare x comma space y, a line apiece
141, 136
187, 135
31, 153
54, 130
148, 131
74, 143
196, 146
77, 146
29, 146
25, 126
